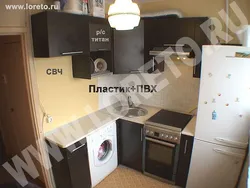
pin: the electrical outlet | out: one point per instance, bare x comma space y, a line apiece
49, 119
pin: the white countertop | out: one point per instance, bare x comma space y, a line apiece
68, 134
190, 128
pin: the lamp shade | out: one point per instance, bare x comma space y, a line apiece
124, 15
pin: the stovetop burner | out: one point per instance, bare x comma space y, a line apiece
169, 120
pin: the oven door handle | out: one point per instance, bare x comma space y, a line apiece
160, 142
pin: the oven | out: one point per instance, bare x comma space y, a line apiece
161, 153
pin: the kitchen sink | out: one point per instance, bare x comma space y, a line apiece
132, 112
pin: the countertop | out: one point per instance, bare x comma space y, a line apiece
190, 128
70, 133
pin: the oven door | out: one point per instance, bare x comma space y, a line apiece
161, 159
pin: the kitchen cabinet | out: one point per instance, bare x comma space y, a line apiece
129, 50
73, 170
201, 38
130, 144
59, 33
84, 66
186, 147
165, 31
214, 165
162, 31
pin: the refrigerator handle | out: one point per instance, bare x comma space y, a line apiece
228, 153
232, 143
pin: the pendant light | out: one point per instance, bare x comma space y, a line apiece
124, 15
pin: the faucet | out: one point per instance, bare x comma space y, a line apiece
130, 102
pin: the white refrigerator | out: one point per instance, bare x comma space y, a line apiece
223, 118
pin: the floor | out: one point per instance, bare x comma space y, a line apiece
124, 177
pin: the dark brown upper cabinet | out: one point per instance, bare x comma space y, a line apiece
129, 50
59, 34
161, 32
201, 38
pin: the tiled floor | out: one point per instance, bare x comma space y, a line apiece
124, 177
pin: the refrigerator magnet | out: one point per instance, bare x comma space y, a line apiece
229, 76
214, 115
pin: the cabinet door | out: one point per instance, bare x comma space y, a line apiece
214, 166
184, 160
201, 38
79, 167
130, 144
68, 33
59, 33
167, 30
129, 50
100, 37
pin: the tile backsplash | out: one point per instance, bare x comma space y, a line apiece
180, 93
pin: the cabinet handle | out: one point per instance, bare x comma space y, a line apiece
194, 67
228, 153
231, 142
103, 49
141, 133
174, 45
186, 144
78, 148
72, 53
153, 69
160, 142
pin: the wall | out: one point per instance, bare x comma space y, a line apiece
12, 18
62, 96
193, 8
181, 93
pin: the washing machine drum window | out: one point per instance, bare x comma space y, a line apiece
104, 150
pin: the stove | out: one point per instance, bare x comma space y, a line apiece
162, 144
167, 125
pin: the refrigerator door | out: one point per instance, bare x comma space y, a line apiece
224, 101
214, 166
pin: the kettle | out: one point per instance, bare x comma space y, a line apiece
244, 35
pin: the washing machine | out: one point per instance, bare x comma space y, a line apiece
102, 151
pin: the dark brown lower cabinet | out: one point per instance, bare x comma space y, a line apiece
73, 170
184, 160
130, 144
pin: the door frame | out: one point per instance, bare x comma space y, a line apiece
33, 95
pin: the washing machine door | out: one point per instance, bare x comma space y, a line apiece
104, 152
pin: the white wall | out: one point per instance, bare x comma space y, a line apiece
181, 94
